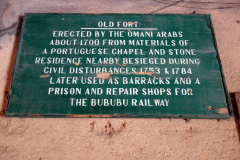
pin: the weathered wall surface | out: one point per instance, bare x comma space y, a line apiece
75, 138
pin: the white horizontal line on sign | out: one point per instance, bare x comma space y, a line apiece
125, 28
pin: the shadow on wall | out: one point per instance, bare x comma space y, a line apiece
11, 65
235, 101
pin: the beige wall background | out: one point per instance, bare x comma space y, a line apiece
110, 138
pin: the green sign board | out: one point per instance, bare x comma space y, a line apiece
118, 65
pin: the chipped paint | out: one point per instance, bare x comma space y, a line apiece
105, 63
222, 110
108, 75
210, 108
104, 75
122, 64
131, 23
44, 76
78, 64
146, 73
